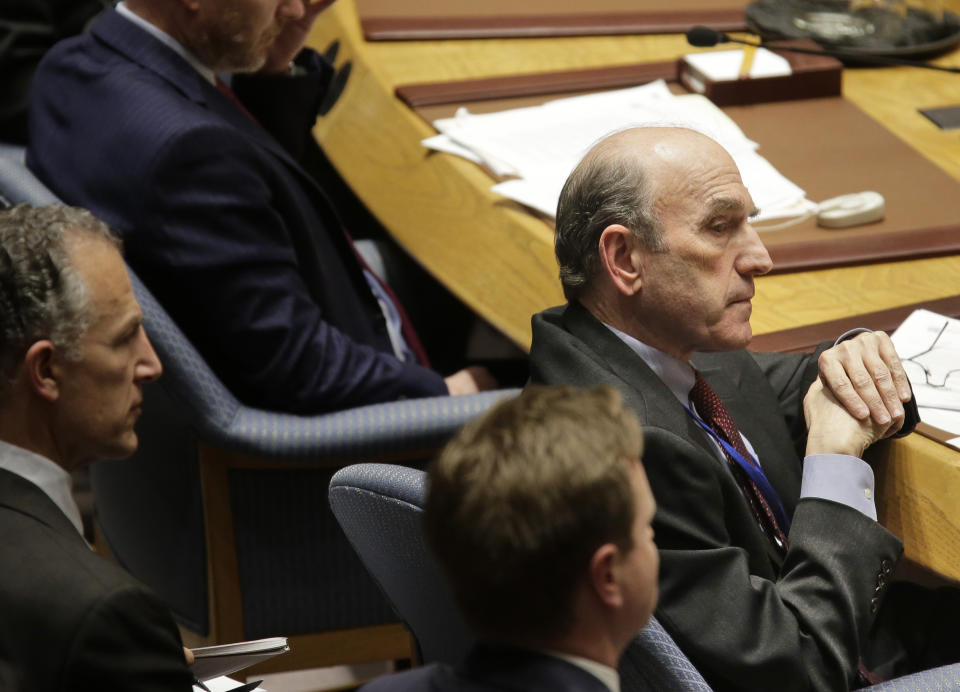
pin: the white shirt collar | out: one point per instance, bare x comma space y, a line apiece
607, 675
677, 375
168, 41
46, 475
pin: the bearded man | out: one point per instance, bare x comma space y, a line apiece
220, 218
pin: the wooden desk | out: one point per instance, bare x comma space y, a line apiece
499, 259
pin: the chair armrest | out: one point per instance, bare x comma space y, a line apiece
395, 429
17, 184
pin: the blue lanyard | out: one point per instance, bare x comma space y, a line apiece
754, 471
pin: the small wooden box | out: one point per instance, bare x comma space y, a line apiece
813, 76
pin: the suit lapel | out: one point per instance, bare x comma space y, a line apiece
649, 389
143, 49
22, 496
140, 47
645, 392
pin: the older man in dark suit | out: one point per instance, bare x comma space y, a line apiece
774, 571
73, 355
219, 217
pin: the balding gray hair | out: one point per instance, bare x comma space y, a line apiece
607, 187
41, 294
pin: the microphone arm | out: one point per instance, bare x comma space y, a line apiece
702, 36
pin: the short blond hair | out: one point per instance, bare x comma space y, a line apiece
521, 499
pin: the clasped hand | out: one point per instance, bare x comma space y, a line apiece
865, 375
858, 398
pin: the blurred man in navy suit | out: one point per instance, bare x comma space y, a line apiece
220, 219
539, 514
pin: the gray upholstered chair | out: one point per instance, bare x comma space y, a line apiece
223, 509
379, 507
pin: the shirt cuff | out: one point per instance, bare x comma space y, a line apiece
840, 478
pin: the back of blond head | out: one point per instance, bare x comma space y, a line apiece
521, 499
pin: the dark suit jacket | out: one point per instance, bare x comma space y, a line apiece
234, 238
489, 668
69, 619
28, 28
746, 620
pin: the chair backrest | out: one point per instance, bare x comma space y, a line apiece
379, 507
228, 495
203, 451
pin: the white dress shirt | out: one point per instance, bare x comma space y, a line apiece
46, 475
607, 675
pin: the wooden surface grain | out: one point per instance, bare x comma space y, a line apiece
497, 257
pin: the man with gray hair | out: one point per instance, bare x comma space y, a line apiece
73, 358
774, 571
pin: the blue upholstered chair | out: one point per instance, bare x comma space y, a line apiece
223, 509
379, 507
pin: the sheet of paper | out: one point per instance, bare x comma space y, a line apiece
538, 146
223, 684
224, 659
445, 144
929, 347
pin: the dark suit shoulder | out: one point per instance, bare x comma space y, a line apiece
435, 677
72, 619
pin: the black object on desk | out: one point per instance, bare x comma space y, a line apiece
946, 118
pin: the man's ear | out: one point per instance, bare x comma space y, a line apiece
603, 575
42, 370
621, 258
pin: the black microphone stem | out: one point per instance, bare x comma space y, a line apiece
840, 53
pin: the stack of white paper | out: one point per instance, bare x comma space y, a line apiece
537, 147
929, 346
224, 659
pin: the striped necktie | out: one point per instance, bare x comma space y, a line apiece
715, 414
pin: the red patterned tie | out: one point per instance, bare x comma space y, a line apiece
230, 94
406, 324
715, 414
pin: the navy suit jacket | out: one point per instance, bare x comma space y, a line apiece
69, 619
488, 668
221, 222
